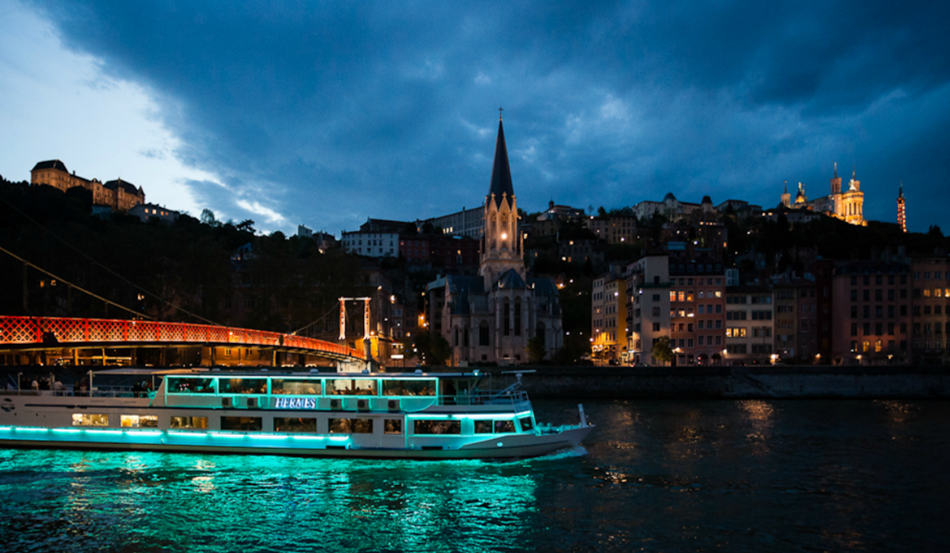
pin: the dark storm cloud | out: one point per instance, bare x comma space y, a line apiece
331, 113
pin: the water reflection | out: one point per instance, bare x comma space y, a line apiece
277, 503
659, 476
759, 415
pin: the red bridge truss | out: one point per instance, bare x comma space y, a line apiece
58, 332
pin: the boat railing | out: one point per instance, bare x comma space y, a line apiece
504, 397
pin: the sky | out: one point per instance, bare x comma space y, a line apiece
328, 113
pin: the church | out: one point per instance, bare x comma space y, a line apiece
847, 206
491, 317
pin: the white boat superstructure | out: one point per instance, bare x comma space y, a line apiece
382, 415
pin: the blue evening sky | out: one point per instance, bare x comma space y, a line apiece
326, 113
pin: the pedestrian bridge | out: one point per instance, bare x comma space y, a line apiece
45, 333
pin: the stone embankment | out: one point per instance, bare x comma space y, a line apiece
731, 382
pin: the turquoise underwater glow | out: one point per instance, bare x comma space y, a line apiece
88, 501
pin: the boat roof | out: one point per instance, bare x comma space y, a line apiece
257, 372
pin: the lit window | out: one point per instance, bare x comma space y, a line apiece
82, 419
139, 421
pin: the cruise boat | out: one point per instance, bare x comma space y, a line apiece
372, 415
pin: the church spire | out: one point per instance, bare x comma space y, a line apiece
500, 171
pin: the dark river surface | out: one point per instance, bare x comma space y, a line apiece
748, 475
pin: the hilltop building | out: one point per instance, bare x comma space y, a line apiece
145, 212
490, 318
118, 195
847, 206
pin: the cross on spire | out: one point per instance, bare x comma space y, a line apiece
499, 113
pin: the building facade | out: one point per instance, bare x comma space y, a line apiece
609, 316
871, 308
930, 308
697, 314
648, 311
749, 325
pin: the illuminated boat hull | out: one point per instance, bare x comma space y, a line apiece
437, 426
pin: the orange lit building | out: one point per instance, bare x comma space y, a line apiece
117, 194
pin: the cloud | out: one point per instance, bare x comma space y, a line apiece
326, 115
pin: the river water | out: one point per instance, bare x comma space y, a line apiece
653, 476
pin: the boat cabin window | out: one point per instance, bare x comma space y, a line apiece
351, 387
437, 427
526, 424
295, 387
483, 427
414, 387
393, 426
503, 427
242, 386
139, 421
241, 423
190, 385
195, 423
83, 419
351, 426
295, 424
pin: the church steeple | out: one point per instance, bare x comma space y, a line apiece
836, 182
502, 243
501, 188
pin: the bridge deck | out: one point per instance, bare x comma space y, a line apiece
50, 332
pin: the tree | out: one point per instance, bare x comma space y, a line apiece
434, 349
247, 225
661, 350
536, 350
207, 217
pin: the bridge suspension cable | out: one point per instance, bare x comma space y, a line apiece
104, 267
83, 290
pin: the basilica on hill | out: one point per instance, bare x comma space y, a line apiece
491, 317
847, 206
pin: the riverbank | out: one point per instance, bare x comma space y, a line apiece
736, 382
589, 382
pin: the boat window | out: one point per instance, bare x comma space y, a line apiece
242, 386
437, 427
393, 426
483, 427
417, 387
196, 423
502, 427
83, 419
351, 387
526, 424
241, 423
139, 421
351, 426
295, 424
295, 387
190, 385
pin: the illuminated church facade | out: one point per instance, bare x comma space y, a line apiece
847, 205
491, 317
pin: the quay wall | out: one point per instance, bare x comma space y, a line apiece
734, 383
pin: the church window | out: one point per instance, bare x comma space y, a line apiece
539, 332
518, 317
506, 317
483, 334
